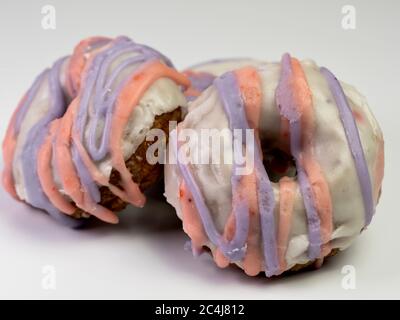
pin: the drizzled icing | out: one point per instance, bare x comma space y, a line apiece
353, 139
35, 138
232, 101
105, 80
294, 100
10, 140
268, 224
250, 89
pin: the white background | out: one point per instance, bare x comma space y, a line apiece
143, 257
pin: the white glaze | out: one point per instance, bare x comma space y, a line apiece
331, 151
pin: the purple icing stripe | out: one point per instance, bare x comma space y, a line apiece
104, 108
232, 101
90, 82
200, 80
235, 249
30, 95
288, 109
229, 92
84, 175
36, 196
354, 141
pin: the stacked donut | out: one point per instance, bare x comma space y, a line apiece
75, 145
312, 152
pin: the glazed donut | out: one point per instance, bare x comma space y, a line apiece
75, 146
202, 75
316, 175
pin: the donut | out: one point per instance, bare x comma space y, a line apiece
202, 75
76, 144
311, 175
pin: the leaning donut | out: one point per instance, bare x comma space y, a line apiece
75, 146
316, 173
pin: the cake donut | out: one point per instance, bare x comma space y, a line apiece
316, 174
76, 144
202, 75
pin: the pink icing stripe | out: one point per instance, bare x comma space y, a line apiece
253, 260
95, 173
46, 176
250, 87
294, 100
127, 100
286, 202
67, 172
78, 61
320, 187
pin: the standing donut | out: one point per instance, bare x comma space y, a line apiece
75, 146
315, 167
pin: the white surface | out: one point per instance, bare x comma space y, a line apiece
143, 257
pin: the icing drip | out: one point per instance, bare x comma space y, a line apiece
353, 139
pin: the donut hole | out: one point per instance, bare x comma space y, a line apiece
278, 163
